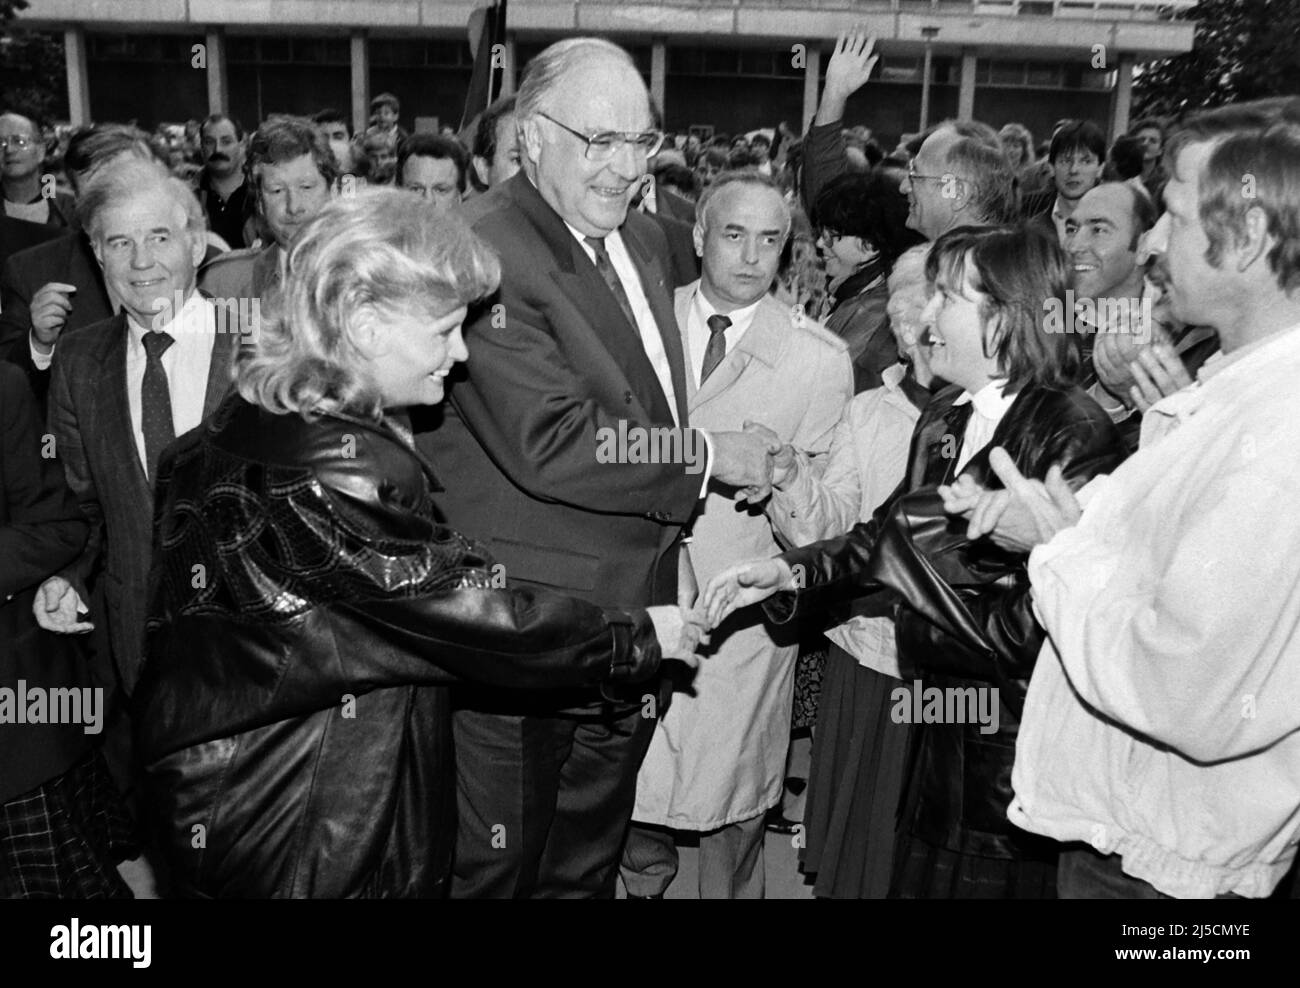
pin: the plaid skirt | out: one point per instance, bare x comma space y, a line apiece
63, 839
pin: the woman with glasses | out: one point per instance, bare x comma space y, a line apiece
309, 606
965, 634
861, 221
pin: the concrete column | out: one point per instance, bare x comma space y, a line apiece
927, 70
508, 70
74, 50
1122, 98
811, 83
966, 93
658, 71
218, 78
360, 81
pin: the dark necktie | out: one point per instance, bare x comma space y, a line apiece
606, 269
155, 401
717, 348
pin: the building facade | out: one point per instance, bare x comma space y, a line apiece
729, 64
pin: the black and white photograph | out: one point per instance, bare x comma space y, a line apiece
649, 449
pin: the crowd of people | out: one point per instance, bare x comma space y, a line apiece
476, 515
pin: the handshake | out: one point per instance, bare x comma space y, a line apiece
753, 460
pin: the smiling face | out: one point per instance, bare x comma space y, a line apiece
956, 331
292, 192
223, 152
741, 246
433, 179
602, 94
410, 352
930, 198
1098, 235
148, 255
842, 255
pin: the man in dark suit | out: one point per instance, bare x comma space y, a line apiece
18, 235
56, 800
578, 347
57, 286
122, 389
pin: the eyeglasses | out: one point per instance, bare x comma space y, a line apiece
606, 144
914, 176
17, 141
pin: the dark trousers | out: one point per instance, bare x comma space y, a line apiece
544, 802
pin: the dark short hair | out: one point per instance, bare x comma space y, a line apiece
485, 134
1125, 158
283, 138
1019, 269
434, 146
676, 176
217, 118
1078, 135
866, 206
93, 145
331, 116
386, 99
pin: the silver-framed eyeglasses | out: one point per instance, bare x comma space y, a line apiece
604, 145
914, 176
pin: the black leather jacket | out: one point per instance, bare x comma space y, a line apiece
963, 611
307, 608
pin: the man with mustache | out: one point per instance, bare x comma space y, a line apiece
222, 190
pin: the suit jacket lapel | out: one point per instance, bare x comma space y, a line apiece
657, 294
221, 369
578, 278
682, 311
763, 341
114, 424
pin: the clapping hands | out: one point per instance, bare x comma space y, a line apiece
1025, 514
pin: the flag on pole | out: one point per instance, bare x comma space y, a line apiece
487, 40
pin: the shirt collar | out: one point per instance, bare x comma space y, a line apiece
991, 401
193, 318
1220, 361
582, 237
739, 317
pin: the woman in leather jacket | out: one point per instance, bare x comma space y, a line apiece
962, 610
308, 608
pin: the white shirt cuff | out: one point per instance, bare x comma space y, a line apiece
41, 361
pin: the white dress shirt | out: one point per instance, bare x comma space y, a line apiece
187, 362
990, 405
698, 332
651, 340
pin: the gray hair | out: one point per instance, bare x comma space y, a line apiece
741, 176
381, 250
545, 70
121, 179
994, 195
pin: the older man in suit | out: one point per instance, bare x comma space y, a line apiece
578, 346
716, 762
124, 388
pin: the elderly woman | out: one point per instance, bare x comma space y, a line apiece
309, 607
961, 609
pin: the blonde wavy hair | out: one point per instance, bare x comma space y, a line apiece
378, 251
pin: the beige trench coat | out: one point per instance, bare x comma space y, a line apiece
718, 754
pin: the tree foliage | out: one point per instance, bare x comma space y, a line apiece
1244, 49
